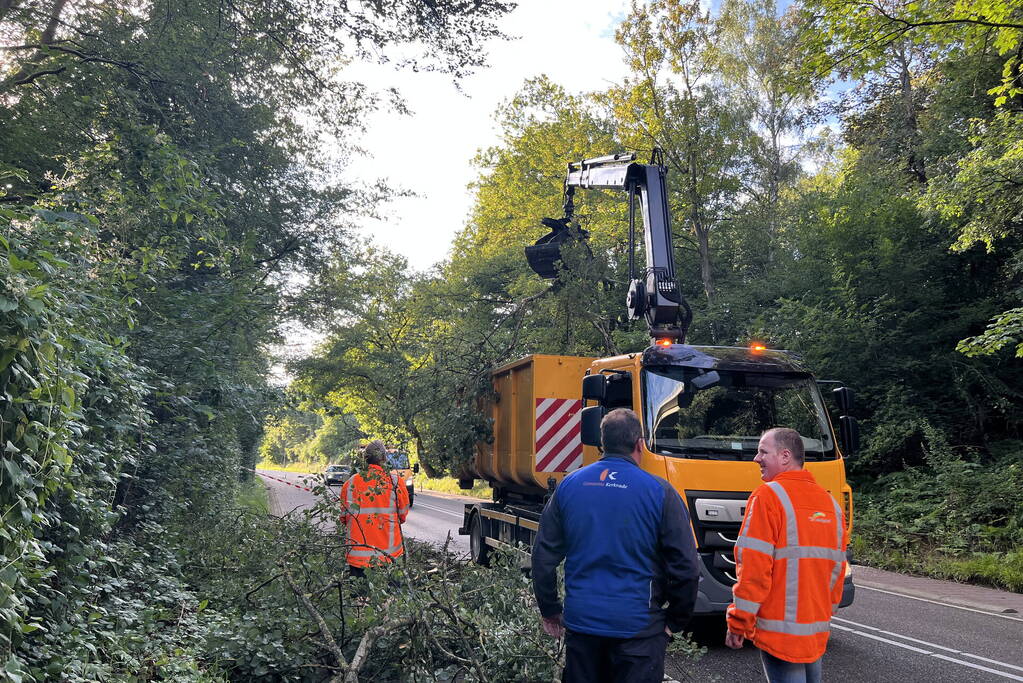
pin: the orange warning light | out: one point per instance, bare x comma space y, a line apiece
757, 347
663, 341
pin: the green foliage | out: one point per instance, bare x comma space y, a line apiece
158, 200
958, 516
252, 496
70, 420
432, 617
480, 489
859, 37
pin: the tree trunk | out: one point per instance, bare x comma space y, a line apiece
6, 6
25, 73
913, 161
703, 244
428, 469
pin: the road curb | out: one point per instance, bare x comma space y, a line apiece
943, 599
273, 503
980, 598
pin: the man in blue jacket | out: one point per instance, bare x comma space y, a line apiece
628, 548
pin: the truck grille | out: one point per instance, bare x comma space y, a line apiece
717, 517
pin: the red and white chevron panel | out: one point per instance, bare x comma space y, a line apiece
558, 447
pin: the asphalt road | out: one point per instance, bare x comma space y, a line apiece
885, 636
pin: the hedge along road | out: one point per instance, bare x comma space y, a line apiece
898, 630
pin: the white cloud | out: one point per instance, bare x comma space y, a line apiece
429, 152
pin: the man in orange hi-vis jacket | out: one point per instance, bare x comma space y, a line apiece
790, 563
374, 504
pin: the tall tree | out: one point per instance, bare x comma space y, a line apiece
673, 101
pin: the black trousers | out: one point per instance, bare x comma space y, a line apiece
598, 659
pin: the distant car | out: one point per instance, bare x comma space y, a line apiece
335, 475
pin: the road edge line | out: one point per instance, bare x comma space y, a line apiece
979, 608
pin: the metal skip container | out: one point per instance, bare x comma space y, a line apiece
535, 410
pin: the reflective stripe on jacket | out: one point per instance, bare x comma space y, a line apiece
373, 506
790, 563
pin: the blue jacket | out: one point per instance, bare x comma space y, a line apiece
628, 548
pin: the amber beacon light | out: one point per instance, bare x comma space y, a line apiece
757, 347
664, 341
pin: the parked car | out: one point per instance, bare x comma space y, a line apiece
336, 475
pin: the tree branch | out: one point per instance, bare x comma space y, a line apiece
325, 632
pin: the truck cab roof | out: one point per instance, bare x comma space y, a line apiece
737, 358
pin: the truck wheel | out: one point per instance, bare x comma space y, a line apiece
478, 549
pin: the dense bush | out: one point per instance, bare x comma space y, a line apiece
426, 614
71, 423
957, 516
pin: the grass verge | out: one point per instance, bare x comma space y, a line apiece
252, 496
997, 570
481, 489
303, 467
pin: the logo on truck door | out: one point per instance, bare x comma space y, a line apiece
558, 446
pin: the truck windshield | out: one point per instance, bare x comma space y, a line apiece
720, 414
397, 461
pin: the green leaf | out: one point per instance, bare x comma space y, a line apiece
19, 264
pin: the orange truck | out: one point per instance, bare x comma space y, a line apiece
398, 464
703, 408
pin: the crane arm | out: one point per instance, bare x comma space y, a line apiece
656, 296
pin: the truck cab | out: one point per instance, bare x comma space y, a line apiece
703, 409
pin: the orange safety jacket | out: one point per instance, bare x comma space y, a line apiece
790, 563
373, 507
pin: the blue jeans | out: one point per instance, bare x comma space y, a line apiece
780, 671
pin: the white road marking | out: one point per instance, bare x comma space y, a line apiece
418, 504
929, 652
943, 604
932, 645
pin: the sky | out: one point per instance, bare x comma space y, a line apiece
430, 151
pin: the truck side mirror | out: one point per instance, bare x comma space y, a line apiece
415, 468
845, 398
594, 388
849, 433
590, 429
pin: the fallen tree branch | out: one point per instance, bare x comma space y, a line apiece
325, 633
366, 644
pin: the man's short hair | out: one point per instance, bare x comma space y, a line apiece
619, 431
375, 453
790, 440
